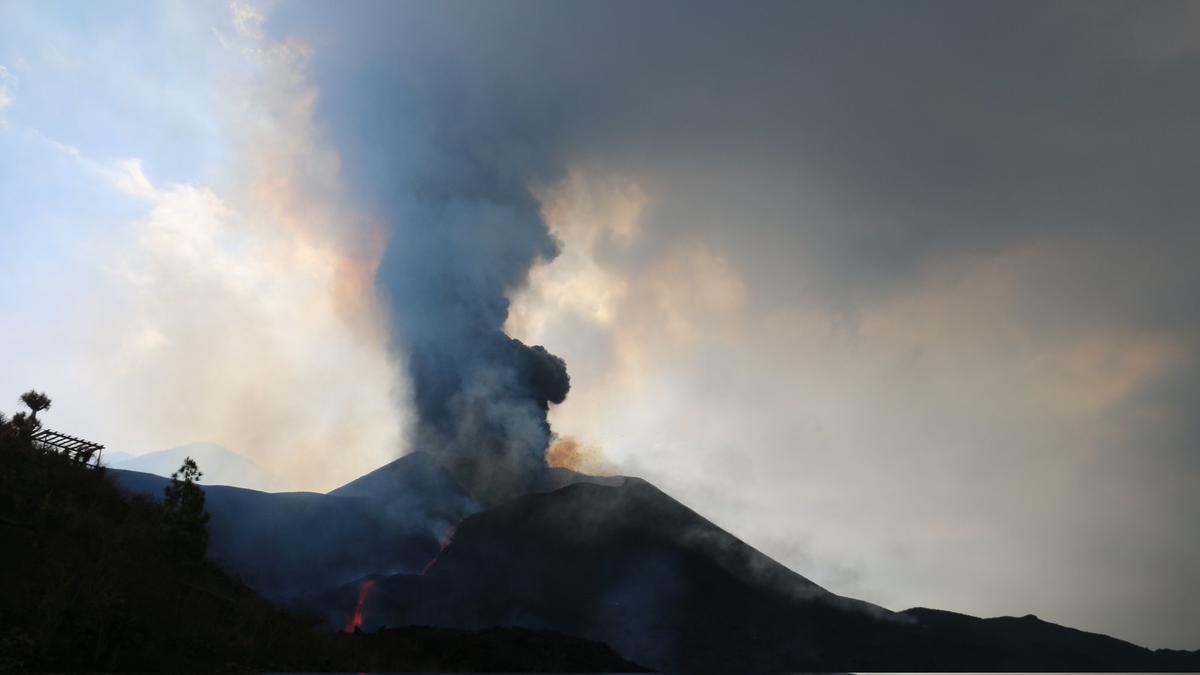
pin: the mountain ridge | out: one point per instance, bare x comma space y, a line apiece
221, 465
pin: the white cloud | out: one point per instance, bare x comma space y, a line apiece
8, 86
248, 18
127, 176
237, 308
221, 329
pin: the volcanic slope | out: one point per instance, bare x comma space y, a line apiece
420, 480
627, 565
287, 544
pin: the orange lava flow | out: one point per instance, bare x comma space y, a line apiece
441, 547
356, 620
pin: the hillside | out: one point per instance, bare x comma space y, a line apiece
88, 582
388, 521
287, 543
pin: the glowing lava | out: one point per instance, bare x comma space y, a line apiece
441, 547
356, 620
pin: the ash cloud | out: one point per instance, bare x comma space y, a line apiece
445, 165
468, 238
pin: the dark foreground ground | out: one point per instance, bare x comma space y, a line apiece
489, 650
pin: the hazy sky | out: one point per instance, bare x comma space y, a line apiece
903, 294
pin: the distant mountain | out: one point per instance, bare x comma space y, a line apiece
220, 465
961, 642
116, 457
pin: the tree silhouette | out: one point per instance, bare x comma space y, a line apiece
27, 424
8, 427
24, 426
36, 401
184, 517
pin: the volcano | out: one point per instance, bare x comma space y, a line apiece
391, 520
613, 560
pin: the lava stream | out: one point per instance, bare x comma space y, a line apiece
356, 620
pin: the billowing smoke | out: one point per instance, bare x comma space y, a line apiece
465, 237
443, 154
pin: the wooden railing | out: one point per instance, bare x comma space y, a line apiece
78, 449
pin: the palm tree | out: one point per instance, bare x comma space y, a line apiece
28, 425
36, 401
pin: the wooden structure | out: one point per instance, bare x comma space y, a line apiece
84, 452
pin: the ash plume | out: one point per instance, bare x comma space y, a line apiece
442, 154
465, 237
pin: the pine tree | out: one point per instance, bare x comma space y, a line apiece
184, 517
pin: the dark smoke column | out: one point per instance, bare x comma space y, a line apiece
440, 148
466, 240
